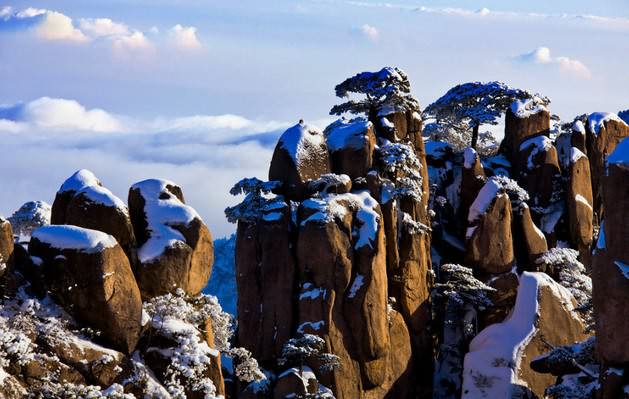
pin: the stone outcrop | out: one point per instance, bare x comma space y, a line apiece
265, 275
528, 240
6, 245
83, 201
489, 236
472, 180
31, 215
543, 315
579, 201
175, 247
604, 132
523, 119
539, 169
610, 269
301, 155
351, 145
88, 273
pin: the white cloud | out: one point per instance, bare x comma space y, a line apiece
569, 66
184, 37
370, 32
98, 27
57, 113
53, 25
134, 41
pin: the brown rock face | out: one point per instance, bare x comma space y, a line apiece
300, 155
604, 132
89, 274
538, 168
265, 272
6, 245
490, 243
528, 239
580, 204
215, 372
175, 246
519, 129
83, 201
472, 180
351, 145
610, 269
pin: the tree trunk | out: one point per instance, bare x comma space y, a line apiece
475, 136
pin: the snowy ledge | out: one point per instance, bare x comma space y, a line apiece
344, 133
300, 141
528, 107
596, 121
73, 237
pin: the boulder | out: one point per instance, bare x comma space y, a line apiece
579, 201
6, 245
524, 119
31, 215
351, 145
88, 273
265, 274
83, 201
604, 131
300, 155
489, 238
175, 248
498, 359
295, 383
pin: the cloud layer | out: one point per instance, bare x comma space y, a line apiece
47, 139
50, 25
566, 65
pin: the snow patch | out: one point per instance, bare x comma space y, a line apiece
469, 158
300, 141
623, 267
344, 133
73, 237
596, 121
79, 180
356, 285
540, 144
162, 210
484, 199
527, 107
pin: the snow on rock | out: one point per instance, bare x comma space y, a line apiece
469, 157
527, 107
300, 141
344, 133
623, 267
162, 210
540, 144
578, 127
73, 237
620, 155
356, 285
484, 199
600, 243
79, 180
596, 120
31, 215
330, 207
494, 366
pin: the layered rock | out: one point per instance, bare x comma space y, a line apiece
498, 360
89, 274
301, 155
175, 247
539, 169
610, 269
83, 201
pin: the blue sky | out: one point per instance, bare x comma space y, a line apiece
186, 89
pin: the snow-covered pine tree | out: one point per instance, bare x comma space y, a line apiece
465, 107
385, 91
458, 297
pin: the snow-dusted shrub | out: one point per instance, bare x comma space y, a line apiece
182, 319
258, 198
80, 391
308, 347
402, 167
